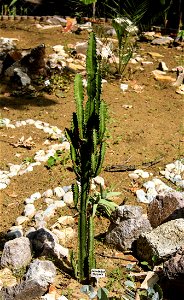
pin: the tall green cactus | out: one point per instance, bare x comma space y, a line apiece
87, 148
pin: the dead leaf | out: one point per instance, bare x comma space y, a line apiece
28, 143
12, 195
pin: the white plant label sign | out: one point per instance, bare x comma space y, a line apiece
98, 273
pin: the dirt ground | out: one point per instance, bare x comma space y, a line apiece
143, 126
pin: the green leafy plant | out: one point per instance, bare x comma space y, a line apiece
180, 35
87, 148
150, 266
152, 293
102, 203
126, 33
101, 293
58, 158
29, 160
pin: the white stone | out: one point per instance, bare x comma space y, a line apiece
35, 164
133, 176
5, 180
61, 251
59, 204
47, 130
149, 184
28, 201
139, 172
3, 185
151, 194
29, 168
59, 192
21, 219
144, 175
66, 220
5, 121
23, 123
11, 126
29, 210
49, 296
170, 167
14, 168
30, 121
47, 142
65, 146
18, 124
99, 180
49, 201
12, 174
16, 227
62, 298
68, 198
49, 212
35, 196
39, 215
39, 126
64, 235
141, 196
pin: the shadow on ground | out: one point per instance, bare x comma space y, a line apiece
24, 101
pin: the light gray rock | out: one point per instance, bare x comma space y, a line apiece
128, 223
15, 232
162, 66
180, 79
21, 77
68, 198
162, 241
41, 271
29, 210
166, 207
16, 253
38, 277
125, 212
162, 41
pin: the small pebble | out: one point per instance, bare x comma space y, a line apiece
59, 192
99, 180
68, 198
141, 196
133, 176
35, 196
66, 220
29, 210
21, 219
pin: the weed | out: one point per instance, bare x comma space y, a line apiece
59, 157
29, 160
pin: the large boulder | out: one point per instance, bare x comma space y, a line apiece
16, 253
37, 279
166, 207
128, 222
162, 241
46, 243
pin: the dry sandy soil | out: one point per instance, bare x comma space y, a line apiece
151, 128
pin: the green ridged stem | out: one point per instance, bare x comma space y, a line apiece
87, 148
